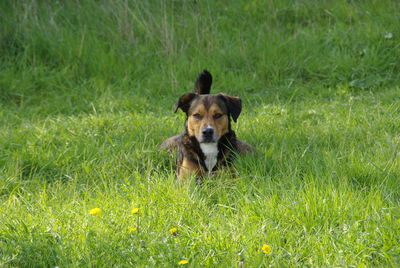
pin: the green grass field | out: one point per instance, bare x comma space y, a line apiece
86, 95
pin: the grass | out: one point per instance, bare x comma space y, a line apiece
86, 94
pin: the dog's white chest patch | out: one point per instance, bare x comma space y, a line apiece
210, 151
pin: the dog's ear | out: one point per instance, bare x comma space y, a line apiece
234, 105
203, 83
184, 102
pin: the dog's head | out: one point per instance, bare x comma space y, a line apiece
208, 116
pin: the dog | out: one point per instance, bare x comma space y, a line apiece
208, 142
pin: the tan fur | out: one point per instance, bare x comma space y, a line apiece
196, 125
208, 143
188, 168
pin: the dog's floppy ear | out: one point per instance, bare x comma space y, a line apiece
234, 105
184, 102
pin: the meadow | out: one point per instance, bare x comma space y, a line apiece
86, 95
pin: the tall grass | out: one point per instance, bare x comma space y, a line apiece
86, 90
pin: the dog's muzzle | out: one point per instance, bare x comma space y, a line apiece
208, 135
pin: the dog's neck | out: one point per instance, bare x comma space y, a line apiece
202, 156
210, 151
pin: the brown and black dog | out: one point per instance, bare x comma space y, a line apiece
208, 142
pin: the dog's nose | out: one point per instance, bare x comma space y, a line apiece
208, 132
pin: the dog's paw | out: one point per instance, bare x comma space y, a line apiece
170, 144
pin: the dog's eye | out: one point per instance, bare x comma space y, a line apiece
216, 116
197, 116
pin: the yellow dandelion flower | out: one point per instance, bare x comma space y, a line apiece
266, 249
182, 262
132, 229
135, 210
95, 211
173, 231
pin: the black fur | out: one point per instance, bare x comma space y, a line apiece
189, 148
184, 102
203, 83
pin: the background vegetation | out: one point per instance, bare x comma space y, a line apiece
86, 94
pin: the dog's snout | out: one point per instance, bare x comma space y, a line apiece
208, 132
208, 135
